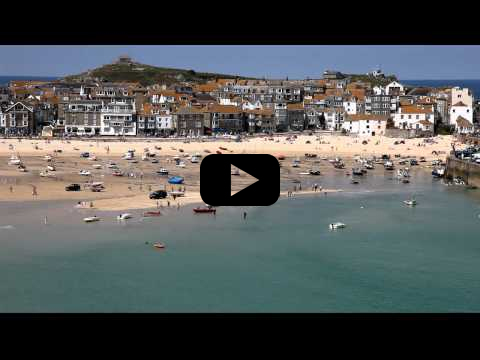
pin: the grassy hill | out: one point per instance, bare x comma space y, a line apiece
146, 74
374, 81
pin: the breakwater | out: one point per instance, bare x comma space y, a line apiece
466, 169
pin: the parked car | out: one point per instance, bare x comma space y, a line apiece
73, 187
158, 194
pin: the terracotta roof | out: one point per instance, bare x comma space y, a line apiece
226, 109
209, 87
189, 110
459, 104
295, 106
319, 97
414, 109
462, 122
358, 117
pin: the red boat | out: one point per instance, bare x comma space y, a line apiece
151, 213
204, 210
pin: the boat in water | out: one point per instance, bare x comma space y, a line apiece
410, 202
151, 213
124, 216
91, 219
159, 246
337, 225
438, 172
204, 210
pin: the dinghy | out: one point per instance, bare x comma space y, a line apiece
337, 225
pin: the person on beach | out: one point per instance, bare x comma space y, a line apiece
178, 206
11, 188
244, 215
91, 204
158, 205
168, 203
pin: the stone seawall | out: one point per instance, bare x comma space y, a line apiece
469, 171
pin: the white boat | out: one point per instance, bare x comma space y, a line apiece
181, 164
304, 173
91, 219
176, 193
14, 160
97, 166
235, 172
337, 225
46, 173
296, 163
84, 172
124, 216
410, 202
162, 171
145, 157
194, 159
51, 168
92, 158
47, 157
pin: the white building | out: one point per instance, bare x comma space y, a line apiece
395, 88
333, 119
165, 122
460, 109
365, 124
255, 105
414, 117
117, 119
350, 105
463, 95
378, 90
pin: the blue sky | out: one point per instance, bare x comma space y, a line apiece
407, 62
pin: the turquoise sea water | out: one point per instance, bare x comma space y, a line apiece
283, 258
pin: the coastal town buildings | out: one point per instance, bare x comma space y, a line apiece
365, 124
93, 107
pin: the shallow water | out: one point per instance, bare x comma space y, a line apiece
282, 258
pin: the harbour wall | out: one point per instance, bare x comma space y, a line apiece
469, 171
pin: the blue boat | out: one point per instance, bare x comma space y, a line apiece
175, 180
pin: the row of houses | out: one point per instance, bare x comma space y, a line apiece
230, 105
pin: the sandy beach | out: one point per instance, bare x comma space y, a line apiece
131, 191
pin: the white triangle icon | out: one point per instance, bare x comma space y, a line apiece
252, 180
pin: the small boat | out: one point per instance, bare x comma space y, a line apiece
51, 168
176, 180
354, 181
181, 164
369, 166
438, 172
145, 157
117, 173
206, 210
162, 171
48, 157
155, 161
151, 213
159, 246
194, 159
357, 171
46, 173
337, 225
405, 181
304, 173
124, 216
91, 219
112, 166
314, 172
296, 163
235, 172
389, 165
97, 166
410, 202
14, 160
176, 193
84, 172
222, 148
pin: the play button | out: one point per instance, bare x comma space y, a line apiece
239, 180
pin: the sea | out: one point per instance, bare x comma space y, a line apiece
281, 258
473, 85
4, 80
